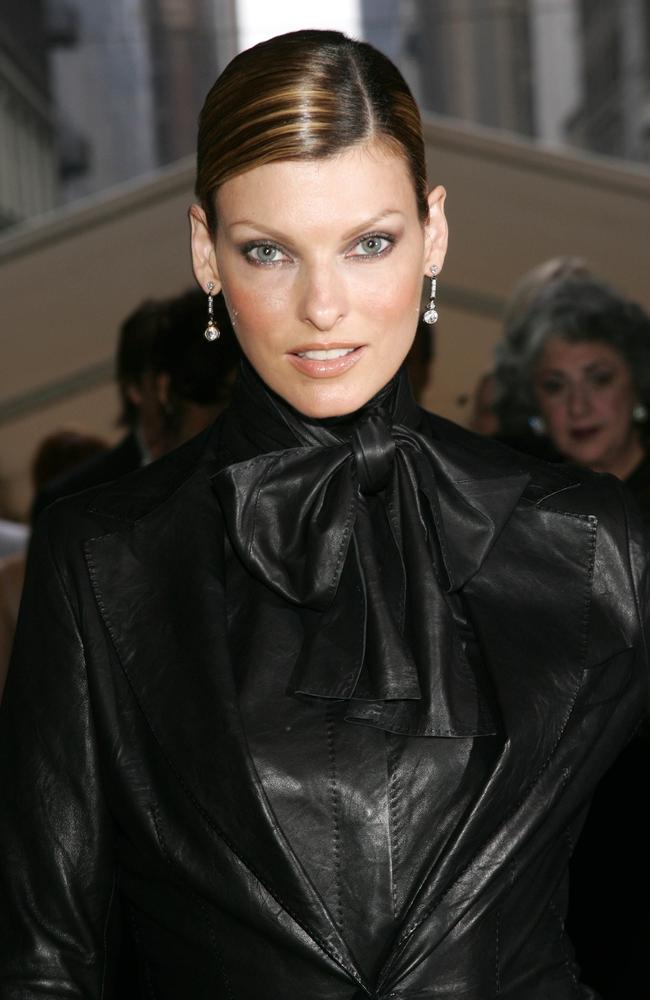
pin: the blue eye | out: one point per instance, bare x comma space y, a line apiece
373, 245
263, 253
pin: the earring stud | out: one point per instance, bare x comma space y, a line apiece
212, 331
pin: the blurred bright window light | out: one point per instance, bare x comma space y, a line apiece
259, 20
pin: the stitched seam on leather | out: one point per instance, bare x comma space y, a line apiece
592, 522
217, 950
393, 817
497, 954
265, 476
396, 532
345, 539
568, 963
77, 631
145, 964
334, 799
331, 953
169, 860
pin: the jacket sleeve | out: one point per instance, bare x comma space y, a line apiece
56, 838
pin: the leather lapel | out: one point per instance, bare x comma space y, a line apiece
544, 561
473, 514
147, 579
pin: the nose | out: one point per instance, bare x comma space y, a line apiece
323, 299
579, 400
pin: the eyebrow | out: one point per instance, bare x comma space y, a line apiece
592, 366
358, 228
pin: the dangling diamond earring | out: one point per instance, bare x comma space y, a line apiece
640, 413
431, 314
212, 331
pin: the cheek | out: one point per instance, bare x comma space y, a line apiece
254, 310
623, 398
553, 410
395, 293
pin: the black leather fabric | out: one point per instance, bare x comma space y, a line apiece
144, 777
308, 523
122, 458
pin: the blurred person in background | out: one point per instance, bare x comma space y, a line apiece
483, 418
534, 282
515, 427
193, 378
141, 413
576, 366
171, 384
57, 454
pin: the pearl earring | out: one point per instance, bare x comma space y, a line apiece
212, 331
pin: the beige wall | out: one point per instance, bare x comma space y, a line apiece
66, 283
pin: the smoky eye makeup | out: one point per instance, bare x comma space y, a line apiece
262, 253
372, 245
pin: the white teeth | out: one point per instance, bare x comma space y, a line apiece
335, 352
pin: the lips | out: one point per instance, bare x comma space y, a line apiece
583, 433
325, 361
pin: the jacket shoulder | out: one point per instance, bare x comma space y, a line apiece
563, 486
131, 497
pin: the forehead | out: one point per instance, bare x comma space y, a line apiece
568, 355
360, 182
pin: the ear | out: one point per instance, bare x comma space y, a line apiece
133, 393
163, 382
204, 262
435, 230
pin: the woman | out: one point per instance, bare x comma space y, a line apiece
280, 705
577, 363
576, 366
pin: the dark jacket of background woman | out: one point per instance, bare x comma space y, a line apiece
128, 683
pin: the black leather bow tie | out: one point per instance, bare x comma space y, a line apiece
345, 523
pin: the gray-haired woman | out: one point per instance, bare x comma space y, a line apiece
576, 366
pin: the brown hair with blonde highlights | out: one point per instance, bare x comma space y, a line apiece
305, 95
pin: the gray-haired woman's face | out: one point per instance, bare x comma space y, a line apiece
586, 395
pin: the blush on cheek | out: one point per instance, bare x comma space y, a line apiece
253, 308
396, 295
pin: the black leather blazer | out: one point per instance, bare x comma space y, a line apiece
126, 784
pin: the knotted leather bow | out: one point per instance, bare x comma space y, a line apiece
348, 526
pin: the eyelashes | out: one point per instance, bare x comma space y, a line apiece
261, 253
266, 253
373, 245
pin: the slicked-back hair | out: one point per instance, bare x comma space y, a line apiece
305, 95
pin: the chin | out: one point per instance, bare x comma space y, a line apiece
321, 404
587, 457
